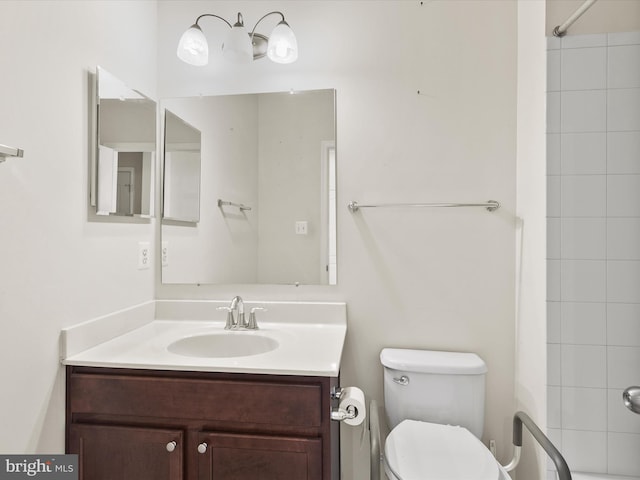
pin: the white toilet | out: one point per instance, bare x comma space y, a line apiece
434, 403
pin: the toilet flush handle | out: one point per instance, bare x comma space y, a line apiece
403, 380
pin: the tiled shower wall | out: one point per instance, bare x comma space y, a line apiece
593, 168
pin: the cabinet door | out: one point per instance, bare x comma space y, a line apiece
127, 453
258, 457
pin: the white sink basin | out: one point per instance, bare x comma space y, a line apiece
223, 345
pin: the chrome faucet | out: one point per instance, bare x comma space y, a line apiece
237, 305
237, 321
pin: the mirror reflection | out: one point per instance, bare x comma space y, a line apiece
267, 197
181, 199
125, 153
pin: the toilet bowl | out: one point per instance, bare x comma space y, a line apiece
434, 403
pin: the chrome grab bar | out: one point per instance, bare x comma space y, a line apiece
521, 418
631, 399
374, 440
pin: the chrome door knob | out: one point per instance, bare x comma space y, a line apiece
171, 446
631, 399
202, 448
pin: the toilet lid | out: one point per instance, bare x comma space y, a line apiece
420, 450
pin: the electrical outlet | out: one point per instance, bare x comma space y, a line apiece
144, 255
165, 254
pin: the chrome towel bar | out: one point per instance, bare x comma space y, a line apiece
242, 207
6, 151
491, 205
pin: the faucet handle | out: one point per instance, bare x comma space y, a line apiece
229, 323
253, 323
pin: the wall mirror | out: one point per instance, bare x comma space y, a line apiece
182, 145
268, 191
124, 158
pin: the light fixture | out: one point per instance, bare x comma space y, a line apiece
239, 46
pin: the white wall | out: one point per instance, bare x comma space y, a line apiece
530, 238
57, 268
292, 129
439, 279
223, 245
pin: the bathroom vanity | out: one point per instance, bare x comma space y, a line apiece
148, 424
135, 410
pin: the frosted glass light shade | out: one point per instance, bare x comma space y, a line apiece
237, 46
193, 47
283, 46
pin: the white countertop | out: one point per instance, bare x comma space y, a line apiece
306, 346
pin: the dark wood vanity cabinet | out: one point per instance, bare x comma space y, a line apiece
146, 424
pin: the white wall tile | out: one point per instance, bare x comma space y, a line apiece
624, 67
555, 435
623, 238
623, 152
583, 195
584, 409
553, 237
584, 69
584, 323
583, 366
583, 153
623, 38
553, 112
583, 280
620, 418
553, 280
622, 366
623, 281
581, 41
623, 451
623, 195
623, 109
585, 451
584, 238
585, 111
554, 407
554, 187
554, 373
597, 199
554, 43
553, 70
553, 154
553, 322
623, 325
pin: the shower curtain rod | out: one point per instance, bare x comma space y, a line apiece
561, 30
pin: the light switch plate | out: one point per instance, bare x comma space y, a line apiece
301, 227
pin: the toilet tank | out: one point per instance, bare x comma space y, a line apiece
432, 386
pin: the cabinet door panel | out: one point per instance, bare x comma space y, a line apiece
259, 457
126, 453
